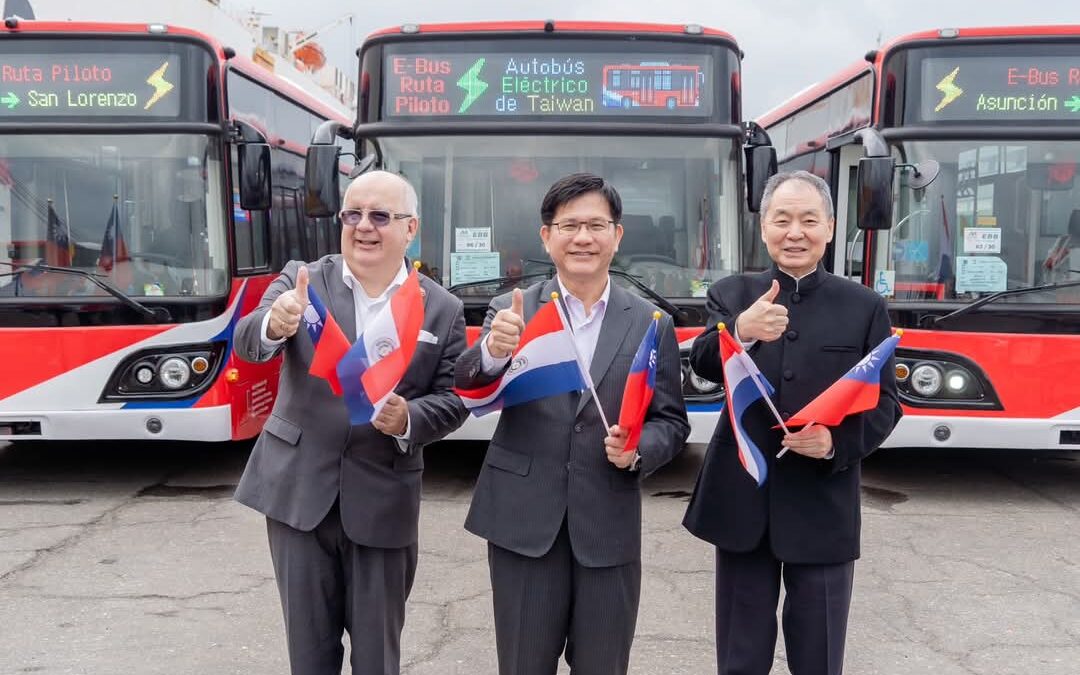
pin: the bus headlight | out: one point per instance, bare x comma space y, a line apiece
926, 380
956, 381
174, 373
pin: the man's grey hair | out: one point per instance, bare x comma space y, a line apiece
411, 200
810, 179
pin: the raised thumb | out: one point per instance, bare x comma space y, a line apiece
302, 284
516, 301
773, 291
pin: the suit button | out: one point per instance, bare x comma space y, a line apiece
579, 427
796, 298
789, 375
792, 335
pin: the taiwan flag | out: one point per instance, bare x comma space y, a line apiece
640, 383
858, 390
114, 251
58, 248
330, 343
374, 366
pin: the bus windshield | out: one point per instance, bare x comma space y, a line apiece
480, 206
1001, 215
142, 211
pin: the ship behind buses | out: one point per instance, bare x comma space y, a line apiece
954, 158
482, 118
150, 190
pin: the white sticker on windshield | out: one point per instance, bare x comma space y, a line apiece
472, 239
981, 274
469, 267
982, 240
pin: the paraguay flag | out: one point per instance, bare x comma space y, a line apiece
543, 365
640, 383
330, 343
858, 390
373, 366
742, 391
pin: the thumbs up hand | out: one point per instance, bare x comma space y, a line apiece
287, 309
506, 328
764, 320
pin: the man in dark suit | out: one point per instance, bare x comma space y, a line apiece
804, 328
341, 501
558, 499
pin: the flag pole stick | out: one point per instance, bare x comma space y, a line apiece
783, 450
580, 361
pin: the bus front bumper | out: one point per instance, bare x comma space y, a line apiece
916, 431
160, 424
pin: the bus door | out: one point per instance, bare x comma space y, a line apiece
848, 239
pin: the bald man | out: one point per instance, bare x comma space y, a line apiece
341, 501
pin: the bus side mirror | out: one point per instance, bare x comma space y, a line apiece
254, 159
322, 191
760, 167
874, 194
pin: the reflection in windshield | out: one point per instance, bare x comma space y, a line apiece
480, 206
1001, 215
142, 212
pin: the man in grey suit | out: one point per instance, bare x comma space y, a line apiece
341, 501
558, 498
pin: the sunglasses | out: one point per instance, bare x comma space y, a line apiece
378, 218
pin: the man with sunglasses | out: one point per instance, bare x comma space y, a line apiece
341, 501
558, 497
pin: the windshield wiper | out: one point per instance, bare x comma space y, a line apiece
660, 300
156, 314
975, 304
496, 280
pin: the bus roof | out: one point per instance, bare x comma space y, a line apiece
242, 64
943, 35
542, 27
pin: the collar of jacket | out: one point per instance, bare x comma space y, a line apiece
806, 283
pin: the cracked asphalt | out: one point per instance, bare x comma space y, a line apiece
132, 558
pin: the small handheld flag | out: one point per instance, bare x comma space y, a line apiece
858, 390
640, 383
582, 366
330, 342
374, 366
544, 364
744, 385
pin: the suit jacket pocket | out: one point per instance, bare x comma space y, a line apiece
507, 460
283, 429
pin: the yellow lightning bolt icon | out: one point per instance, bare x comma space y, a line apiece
161, 87
948, 87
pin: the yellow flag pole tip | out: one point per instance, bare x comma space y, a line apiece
554, 295
720, 326
656, 315
899, 332
417, 264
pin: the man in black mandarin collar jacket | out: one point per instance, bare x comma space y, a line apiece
804, 328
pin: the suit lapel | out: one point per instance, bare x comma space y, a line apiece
613, 330
340, 298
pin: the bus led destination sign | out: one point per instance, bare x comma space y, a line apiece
563, 85
82, 85
995, 88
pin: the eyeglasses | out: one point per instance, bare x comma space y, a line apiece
572, 227
378, 218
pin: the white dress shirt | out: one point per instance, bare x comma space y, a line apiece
585, 329
366, 307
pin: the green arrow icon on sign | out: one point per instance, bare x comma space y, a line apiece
11, 100
1073, 104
